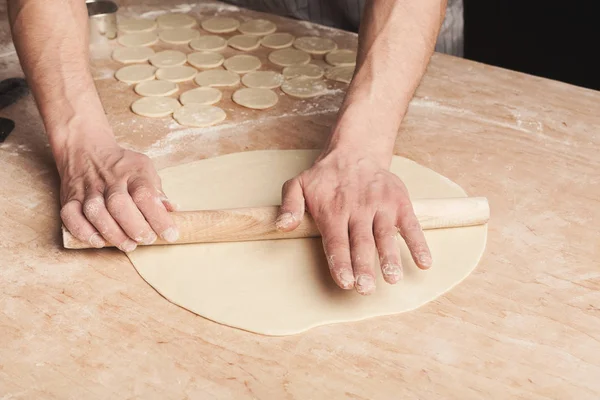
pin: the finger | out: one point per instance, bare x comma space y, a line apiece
362, 248
291, 211
386, 238
121, 207
334, 231
95, 211
76, 222
148, 200
413, 235
169, 205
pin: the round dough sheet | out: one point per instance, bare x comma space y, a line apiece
283, 287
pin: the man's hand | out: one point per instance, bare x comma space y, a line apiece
109, 194
359, 208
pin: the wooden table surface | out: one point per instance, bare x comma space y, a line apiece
524, 325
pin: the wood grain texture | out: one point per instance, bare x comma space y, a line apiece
524, 325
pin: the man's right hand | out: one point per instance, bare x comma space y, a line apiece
109, 194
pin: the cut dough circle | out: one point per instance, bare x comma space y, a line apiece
176, 20
244, 42
217, 78
155, 107
156, 88
201, 95
128, 55
220, 25
258, 99
205, 59
178, 35
340, 74
136, 73
314, 44
242, 63
181, 73
308, 71
131, 25
199, 115
283, 287
304, 87
277, 40
289, 57
168, 58
209, 43
257, 27
138, 39
262, 79
341, 57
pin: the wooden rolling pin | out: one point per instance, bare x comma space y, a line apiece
246, 224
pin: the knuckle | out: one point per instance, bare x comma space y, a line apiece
92, 207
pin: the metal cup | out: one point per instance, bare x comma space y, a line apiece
102, 20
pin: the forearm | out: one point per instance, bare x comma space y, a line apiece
396, 40
51, 38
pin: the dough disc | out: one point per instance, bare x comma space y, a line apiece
199, 115
202, 95
340, 74
277, 40
304, 87
181, 73
155, 107
156, 88
138, 39
131, 25
217, 77
178, 35
244, 42
209, 43
128, 55
262, 79
308, 71
314, 44
289, 57
205, 59
136, 73
176, 20
257, 27
220, 25
341, 57
257, 99
168, 58
282, 287
242, 63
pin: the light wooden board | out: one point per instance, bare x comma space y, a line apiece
524, 325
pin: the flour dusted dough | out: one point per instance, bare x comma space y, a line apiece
128, 55
342, 57
304, 88
244, 42
205, 59
258, 99
340, 74
131, 25
138, 39
262, 79
136, 73
242, 63
156, 88
155, 107
199, 115
220, 25
257, 27
277, 40
178, 35
308, 71
209, 43
314, 44
283, 287
181, 73
176, 20
217, 78
289, 57
168, 58
201, 95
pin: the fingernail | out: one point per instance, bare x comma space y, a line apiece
97, 241
393, 272
424, 260
128, 246
365, 284
284, 220
347, 279
149, 238
170, 235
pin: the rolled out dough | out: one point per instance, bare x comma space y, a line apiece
283, 287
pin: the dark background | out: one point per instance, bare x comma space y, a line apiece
555, 39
